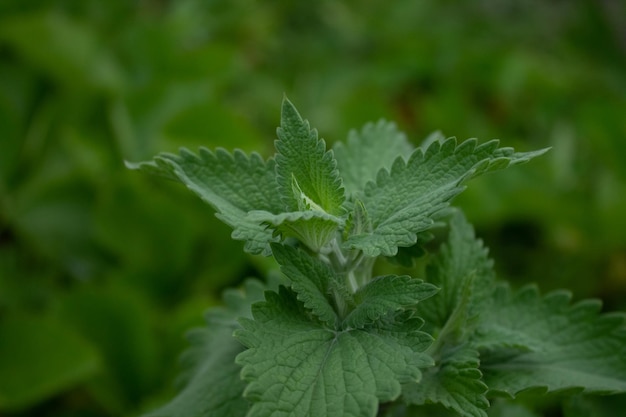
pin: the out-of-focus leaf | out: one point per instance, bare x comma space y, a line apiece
41, 357
16, 91
52, 212
585, 406
65, 49
503, 408
206, 123
172, 240
119, 324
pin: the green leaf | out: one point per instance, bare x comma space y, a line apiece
358, 221
406, 199
314, 281
296, 366
385, 295
213, 387
39, 358
301, 155
313, 228
366, 152
465, 274
454, 382
233, 184
528, 341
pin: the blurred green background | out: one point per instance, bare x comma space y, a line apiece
102, 270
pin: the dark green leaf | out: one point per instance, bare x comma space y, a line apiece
454, 382
296, 366
528, 341
41, 357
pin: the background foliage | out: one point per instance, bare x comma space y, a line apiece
102, 270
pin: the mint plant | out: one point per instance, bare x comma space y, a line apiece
328, 338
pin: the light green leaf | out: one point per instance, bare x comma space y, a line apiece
212, 385
313, 228
366, 152
406, 199
454, 382
528, 341
358, 221
232, 183
384, 295
314, 282
301, 155
296, 366
465, 274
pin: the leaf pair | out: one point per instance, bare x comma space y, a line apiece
309, 193
304, 358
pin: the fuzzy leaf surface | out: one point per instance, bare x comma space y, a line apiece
358, 221
233, 184
406, 199
296, 366
313, 228
302, 156
454, 382
212, 385
529, 341
464, 272
384, 295
367, 151
311, 279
